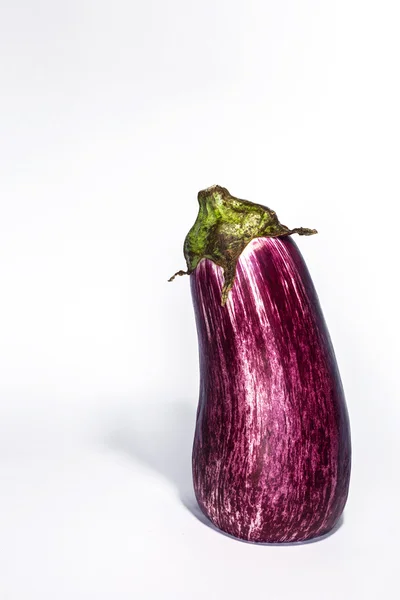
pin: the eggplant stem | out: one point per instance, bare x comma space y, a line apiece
303, 231
178, 273
223, 228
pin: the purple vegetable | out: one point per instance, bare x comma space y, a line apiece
271, 455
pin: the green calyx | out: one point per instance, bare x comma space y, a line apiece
224, 227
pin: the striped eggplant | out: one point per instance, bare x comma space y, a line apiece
271, 453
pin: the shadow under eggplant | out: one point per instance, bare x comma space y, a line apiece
161, 437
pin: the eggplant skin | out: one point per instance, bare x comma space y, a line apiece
272, 451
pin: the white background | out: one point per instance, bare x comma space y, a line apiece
113, 115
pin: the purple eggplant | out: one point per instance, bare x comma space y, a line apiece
272, 452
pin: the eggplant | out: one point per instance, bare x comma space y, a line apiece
272, 452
